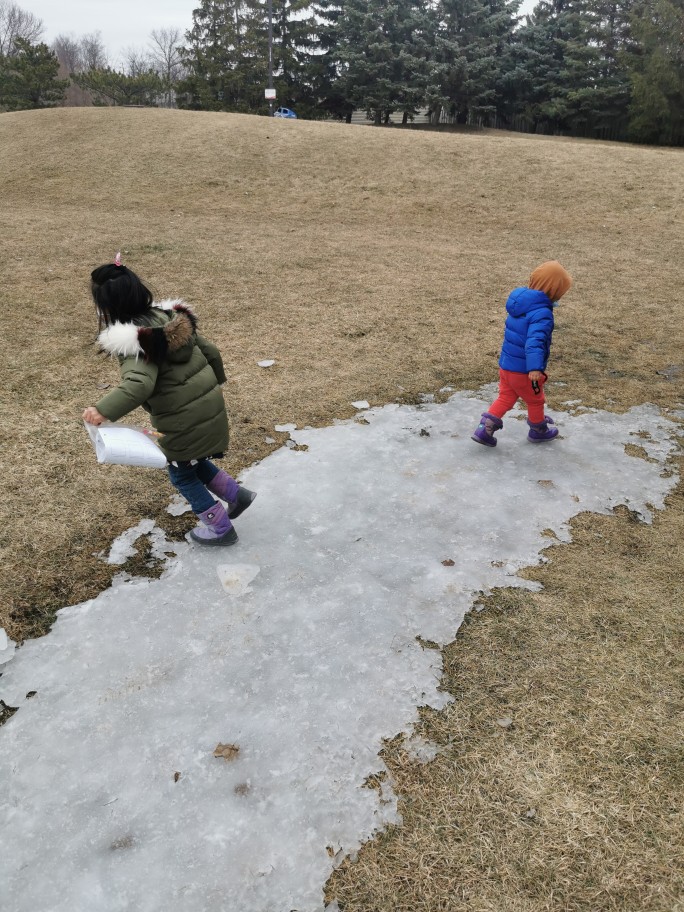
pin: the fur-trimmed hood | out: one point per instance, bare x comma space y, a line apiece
171, 338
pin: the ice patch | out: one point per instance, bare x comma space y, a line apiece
123, 546
361, 404
372, 541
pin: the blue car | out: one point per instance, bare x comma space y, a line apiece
285, 112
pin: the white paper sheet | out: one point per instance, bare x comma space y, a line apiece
121, 445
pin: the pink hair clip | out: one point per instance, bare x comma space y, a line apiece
117, 259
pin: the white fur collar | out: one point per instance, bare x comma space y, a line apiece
120, 339
169, 303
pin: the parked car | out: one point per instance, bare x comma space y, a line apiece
285, 112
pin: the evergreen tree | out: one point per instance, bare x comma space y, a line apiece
294, 36
324, 63
656, 65
226, 57
573, 77
28, 77
108, 86
383, 55
472, 44
552, 40
597, 85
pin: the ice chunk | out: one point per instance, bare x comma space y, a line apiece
235, 578
178, 506
7, 647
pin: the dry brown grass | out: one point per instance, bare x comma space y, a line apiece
374, 264
578, 805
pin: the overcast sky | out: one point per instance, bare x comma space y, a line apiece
122, 23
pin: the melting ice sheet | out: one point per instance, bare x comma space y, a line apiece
297, 647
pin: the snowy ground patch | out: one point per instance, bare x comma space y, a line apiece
375, 534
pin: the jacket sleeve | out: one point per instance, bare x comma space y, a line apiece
213, 356
538, 339
138, 379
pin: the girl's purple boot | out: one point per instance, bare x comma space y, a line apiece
216, 528
484, 432
541, 432
237, 498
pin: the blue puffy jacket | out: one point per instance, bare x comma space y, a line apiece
527, 336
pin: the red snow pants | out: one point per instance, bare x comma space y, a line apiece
514, 386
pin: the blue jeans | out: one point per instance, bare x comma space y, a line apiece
190, 481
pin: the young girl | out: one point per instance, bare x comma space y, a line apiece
525, 351
169, 369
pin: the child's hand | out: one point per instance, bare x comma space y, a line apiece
92, 416
535, 375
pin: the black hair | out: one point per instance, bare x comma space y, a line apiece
119, 295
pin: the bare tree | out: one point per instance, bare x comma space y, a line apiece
17, 23
77, 55
136, 61
165, 52
68, 52
93, 53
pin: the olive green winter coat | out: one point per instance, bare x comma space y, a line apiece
174, 374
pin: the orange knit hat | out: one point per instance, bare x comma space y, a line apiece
552, 279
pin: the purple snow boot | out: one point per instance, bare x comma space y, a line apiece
237, 498
541, 432
216, 528
484, 432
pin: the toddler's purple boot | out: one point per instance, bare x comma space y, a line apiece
216, 528
237, 498
484, 432
541, 431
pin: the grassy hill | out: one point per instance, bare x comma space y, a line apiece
374, 263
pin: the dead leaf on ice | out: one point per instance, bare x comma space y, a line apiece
448, 562
226, 751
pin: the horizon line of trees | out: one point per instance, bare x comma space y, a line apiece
610, 69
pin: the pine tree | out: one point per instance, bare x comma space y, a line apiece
573, 77
108, 86
471, 53
656, 66
226, 57
28, 78
324, 63
382, 53
551, 41
293, 42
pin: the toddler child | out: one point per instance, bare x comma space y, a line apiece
525, 351
174, 373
